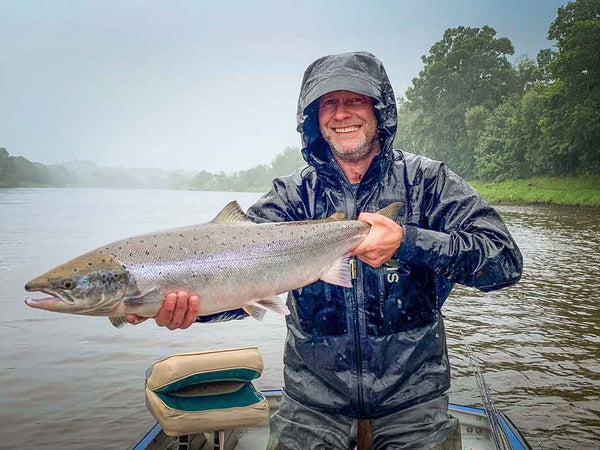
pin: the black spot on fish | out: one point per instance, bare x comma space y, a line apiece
171, 247
181, 235
131, 254
147, 252
120, 248
74, 270
103, 260
89, 264
155, 245
141, 241
195, 238
123, 266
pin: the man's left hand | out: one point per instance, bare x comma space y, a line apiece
381, 243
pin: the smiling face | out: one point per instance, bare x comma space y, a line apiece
348, 124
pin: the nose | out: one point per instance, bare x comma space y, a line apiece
342, 112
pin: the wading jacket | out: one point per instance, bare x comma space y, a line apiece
380, 346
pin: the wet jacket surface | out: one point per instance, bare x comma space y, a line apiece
380, 346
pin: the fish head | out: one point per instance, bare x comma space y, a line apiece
91, 284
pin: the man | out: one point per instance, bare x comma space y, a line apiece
375, 352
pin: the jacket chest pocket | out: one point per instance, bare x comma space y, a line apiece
394, 300
321, 309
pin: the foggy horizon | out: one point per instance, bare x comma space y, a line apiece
187, 86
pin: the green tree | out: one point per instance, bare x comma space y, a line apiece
572, 126
286, 162
467, 68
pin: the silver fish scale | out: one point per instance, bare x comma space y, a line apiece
232, 264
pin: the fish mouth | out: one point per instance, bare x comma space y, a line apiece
55, 300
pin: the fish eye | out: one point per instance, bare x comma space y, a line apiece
68, 284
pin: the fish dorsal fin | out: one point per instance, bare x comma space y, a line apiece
391, 211
231, 213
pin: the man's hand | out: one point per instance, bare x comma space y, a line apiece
179, 310
381, 243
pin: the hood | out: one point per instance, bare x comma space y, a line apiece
359, 72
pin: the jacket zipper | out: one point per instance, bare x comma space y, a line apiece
357, 292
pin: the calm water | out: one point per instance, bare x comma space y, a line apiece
71, 382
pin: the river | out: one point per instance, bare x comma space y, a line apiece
74, 382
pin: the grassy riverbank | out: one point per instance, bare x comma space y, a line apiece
580, 191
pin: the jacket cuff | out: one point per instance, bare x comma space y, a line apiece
424, 247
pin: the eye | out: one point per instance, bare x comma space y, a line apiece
68, 284
356, 101
327, 102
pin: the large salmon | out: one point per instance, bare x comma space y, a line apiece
229, 262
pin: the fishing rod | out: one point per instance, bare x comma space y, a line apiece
486, 398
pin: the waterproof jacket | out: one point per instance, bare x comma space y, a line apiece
380, 346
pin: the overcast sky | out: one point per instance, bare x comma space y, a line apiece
205, 85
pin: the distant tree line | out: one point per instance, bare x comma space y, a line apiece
492, 120
16, 171
258, 178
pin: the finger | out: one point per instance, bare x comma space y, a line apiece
367, 217
180, 310
165, 313
192, 312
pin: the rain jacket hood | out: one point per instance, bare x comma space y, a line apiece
359, 72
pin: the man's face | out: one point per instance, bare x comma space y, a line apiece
348, 124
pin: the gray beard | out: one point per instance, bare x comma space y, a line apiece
355, 155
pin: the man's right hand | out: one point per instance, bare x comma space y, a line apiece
178, 311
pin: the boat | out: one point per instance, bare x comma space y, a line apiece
476, 433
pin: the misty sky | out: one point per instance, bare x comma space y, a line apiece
205, 85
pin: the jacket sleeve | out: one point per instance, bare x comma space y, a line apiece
460, 236
271, 207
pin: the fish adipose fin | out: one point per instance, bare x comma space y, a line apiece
117, 322
339, 273
231, 213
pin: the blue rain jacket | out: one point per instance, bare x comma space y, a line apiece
380, 346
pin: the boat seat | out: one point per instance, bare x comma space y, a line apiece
189, 393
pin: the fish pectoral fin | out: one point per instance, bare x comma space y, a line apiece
274, 304
231, 213
255, 311
339, 273
117, 322
139, 297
